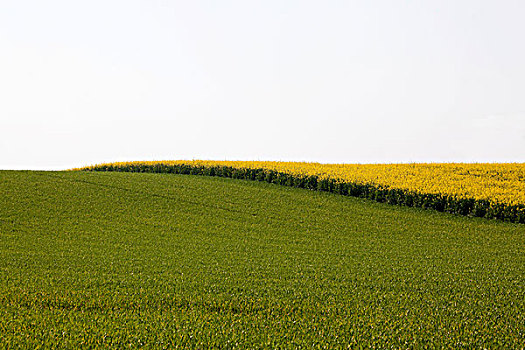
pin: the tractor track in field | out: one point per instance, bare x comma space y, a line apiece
155, 195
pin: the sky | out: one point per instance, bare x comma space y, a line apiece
84, 82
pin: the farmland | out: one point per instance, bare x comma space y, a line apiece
123, 259
491, 190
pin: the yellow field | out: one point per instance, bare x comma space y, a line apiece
502, 183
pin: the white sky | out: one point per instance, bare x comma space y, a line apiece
84, 82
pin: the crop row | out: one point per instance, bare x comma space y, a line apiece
463, 205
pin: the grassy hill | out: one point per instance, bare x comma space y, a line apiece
163, 260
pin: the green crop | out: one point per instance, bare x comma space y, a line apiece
118, 260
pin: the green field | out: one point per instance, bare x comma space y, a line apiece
160, 260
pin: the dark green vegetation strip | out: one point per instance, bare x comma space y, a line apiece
443, 203
120, 260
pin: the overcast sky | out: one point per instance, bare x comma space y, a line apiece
84, 82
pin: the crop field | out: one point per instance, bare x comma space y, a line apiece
128, 260
491, 190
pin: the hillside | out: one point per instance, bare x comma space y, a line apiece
164, 260
490, 190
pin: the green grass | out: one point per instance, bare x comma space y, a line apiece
129, 259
